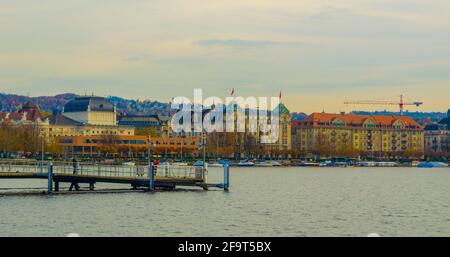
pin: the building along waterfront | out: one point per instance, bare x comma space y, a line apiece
355, 136
153, 125
87, 147
247, 143
437, 139
86, 116
88, 127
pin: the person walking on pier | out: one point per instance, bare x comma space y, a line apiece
75, 172
155, 166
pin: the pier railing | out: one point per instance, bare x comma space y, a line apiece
160, 176
103, 170
22, 166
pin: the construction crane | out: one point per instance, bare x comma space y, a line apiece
401, 104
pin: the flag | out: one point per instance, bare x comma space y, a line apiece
232, 92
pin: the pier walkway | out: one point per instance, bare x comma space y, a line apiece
139, 176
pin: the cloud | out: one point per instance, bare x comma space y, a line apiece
240, 43
325, 49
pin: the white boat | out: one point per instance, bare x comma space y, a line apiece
378, 164
264, 164
309, 164
269, 164
275, 164
324, 164
245, 164
333, 164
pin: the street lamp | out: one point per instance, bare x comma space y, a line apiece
149, 153
204, 150
41, 136
151, 174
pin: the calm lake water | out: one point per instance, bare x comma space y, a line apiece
262, 202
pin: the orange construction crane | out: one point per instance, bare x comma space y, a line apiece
401, 104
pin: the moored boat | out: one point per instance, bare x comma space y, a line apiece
432, 165
377, 164
245, 164
198, 164
333, 164
263, 164
268, 164
309, 164
275, 164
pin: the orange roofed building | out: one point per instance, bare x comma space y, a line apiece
348, 135
91, 146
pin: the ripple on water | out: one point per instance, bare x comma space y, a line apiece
262, 202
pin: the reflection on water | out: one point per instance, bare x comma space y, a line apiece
262, 202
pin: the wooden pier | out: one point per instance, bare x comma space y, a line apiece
147, 177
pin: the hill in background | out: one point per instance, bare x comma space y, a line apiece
55, 104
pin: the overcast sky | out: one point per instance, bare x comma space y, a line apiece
318, 53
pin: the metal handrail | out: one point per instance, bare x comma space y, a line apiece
104, 170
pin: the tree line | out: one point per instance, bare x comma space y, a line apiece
25, 140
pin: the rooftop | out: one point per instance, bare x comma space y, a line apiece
358, 120
29, 112
61, 120
89, 103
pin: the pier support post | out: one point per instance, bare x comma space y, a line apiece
50, 178
226, 177
151, 177
56, 186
